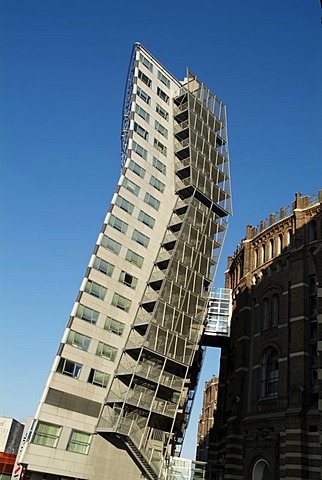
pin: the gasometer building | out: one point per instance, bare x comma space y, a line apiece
118, 397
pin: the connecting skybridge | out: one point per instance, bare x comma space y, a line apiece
217, 325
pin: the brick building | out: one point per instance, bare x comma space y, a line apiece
206, 419
268, 420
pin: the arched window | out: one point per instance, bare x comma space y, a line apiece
313, 231
275, 309
256, 257
265, 313
263, 253
280, 243
269, 374
289, 237
261, 470
271, 248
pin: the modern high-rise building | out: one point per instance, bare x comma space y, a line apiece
268, 422
119, 394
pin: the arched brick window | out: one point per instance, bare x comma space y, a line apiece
269, 374
313, 231
271, 248
280, 244
256, 257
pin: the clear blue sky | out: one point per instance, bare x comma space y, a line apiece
63, 70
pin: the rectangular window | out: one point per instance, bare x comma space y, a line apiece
159, 165
146, 219
118, 224
131, 186
103, 266
106, 351
136, 169
87, 314
152, 201
134, 258
79, 442
163, 79
128, 279
145, 79
143, 95
100, 379
142, 113
46, 434
139, 150
114, 326
146, 62
162, 112
111, 245
141, 131
157, 184
121, 302
69, 368
95, 289
163, 95
161, 129
140, 238
78, 340
124, 204
160, 147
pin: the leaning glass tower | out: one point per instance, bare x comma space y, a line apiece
118, 397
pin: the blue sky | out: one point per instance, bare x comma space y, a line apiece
64, 65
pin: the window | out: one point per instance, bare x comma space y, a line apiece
143, 95
78, 340
114, 326
131, 186
141, 131
100, 379
87, 314
313, 231
280, 243
139, 150
163, 79
265, 313
146, 62
140, 238
160, 147
67, 367
79, 442
256, 257
263, 253
275, 309
106, 351
134, 258
145, 79
271, 248
157, 184
152, 201
162, 112
289, 237
128, 279
163, 95
124, 204
111, 245
269, 374
95, 289
136, 169
159, 165
146, 219
142, 113
161, 129
121, 302
118, 224
103, 266
46, 434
